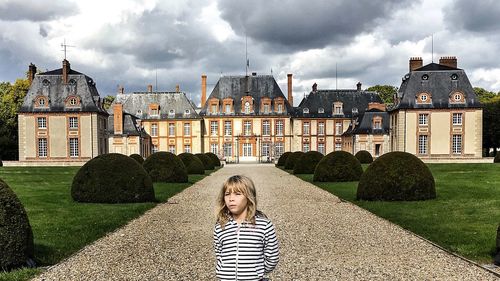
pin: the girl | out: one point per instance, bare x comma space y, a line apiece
245, 242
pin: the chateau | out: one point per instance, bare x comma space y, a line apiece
435, 115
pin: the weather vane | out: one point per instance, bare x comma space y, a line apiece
65, 46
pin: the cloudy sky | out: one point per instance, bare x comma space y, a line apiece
135, 43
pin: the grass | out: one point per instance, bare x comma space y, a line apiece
61, 226
463, 218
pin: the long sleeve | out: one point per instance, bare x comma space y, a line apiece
271, 248
217, 247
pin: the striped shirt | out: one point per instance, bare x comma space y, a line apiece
245, 251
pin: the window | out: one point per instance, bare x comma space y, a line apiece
73, 147
247, 107
154, 130
457, 118
171, 129
305, 147
305, 128
247, 128
42, 147
457, 144
422, 144
377, 124
155, 148
41, 101
228, 128
266, 128
247, 149
73, 122
214, 148
280, 108
305, 110
423, 119
321, 110
228, 108
338, 128
423, 97
228, 149
73, 101
213, 108
187, 129
187, 148
279, 127
338, 146
171, 149
265, 149
187, 112
154, 111
279, 149
321, 128
214, 127
321, 148
42, 122
337, 109
266, 108
457, 97
171, 113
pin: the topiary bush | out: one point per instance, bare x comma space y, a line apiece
282, 159
214, 159
364, 157
397, 176
112, 178
497, 158
137, 158
207, 162
338, 166
306, 164
193, 164
165, 167
16, 237
292, 159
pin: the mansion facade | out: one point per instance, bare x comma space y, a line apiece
435, 115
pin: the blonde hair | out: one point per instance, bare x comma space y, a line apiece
237, 183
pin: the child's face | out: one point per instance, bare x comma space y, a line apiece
235, 201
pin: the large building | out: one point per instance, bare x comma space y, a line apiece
62, 118
436, 114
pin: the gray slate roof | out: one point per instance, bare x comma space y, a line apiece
364, 123
439, 84
137, 104
325, 99
57, 93
130, 126
257, 86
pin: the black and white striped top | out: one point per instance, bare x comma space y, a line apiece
245, 251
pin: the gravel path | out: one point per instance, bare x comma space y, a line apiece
320, 237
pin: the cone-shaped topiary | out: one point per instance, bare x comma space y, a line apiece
16, 237
364, 157
338, 166
282, 159
292, 159
193, 164
497, 158
306, 164
214, 159
397, 176
165, 167
112, 178
207, 162
137, 158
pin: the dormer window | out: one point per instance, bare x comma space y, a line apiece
139, 112
424, 98
45, 87
457, 97
338, 108
454, 77
171, 113
41, 101
321, 110
377, 123
154, 110
247, 107
72, 101
280, 108
425, 77
72, 86
305, 110
187, 112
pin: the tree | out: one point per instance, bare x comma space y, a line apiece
107, 101
484, 95
386, 92
491, 126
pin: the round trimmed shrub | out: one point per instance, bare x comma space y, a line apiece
364, 157
214, 158
193, 164
207, 162
292, 159
397, 176
338, 166
282, 159
16, 237
112, 178
137, 158
306, 164
497, 158
165, 167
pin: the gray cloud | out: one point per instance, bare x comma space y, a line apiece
11, 10
477, 16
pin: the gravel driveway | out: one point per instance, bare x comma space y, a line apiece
320, 237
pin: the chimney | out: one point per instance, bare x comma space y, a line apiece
315, 88
254, 73
379, 106
358, 86
177, 88
65, 71
448, 61
150, 88
31, 72
203, 89
290, 89
117, 118
415, 62
121, 90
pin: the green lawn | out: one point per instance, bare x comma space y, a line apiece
61, 226
463, 218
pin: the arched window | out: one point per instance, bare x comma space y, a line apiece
247, 107
73, 101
